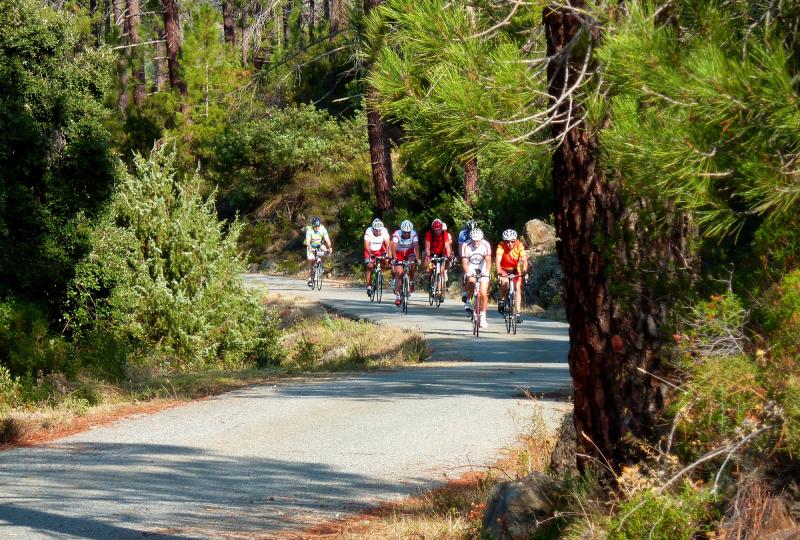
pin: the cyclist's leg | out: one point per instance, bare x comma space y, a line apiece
397, 270
469, 286
503, 292
484, 293
518, 295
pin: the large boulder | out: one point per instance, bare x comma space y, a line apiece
540, 238
516, 509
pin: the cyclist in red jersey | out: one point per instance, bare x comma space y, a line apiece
437, 242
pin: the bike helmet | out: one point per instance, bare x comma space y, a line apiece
315, 222
509, 235
377, 225
476, 235
471, 225
406, 226
437, 225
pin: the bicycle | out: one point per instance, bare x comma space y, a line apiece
316, 270
510, 306
405, 285
477, 305
436, 282
377, 279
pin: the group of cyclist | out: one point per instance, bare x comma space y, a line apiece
403, 246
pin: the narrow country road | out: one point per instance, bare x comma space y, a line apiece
255, 462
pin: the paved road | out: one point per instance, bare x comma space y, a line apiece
261, 460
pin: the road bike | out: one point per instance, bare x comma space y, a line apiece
476, 305
405, 283
316, 270
436, 283
510, 305
377, 279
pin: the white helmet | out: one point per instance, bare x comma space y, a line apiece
377, 225
476, 235
509, 235
406, 226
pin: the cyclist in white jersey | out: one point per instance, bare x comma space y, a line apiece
316, 234
476, 255
404, 247
376, 244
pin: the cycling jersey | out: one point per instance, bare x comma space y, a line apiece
376, 241
438, 243
314, 238
404, 247
476, 257
510, 257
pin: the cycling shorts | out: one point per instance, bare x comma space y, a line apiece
370, 254
503, 273
471, 273
405, 256
321, 251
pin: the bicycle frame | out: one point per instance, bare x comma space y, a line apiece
377, 278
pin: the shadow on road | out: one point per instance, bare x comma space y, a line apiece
172, 491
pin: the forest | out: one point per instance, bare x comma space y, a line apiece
150, 150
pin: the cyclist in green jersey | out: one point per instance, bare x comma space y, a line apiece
316, 234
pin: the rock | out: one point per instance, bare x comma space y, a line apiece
540, 237
562, 459
268, 266
252, 268
545, 281
516, 509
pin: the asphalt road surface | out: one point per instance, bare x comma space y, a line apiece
267, 459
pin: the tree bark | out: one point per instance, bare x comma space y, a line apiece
380, 155
337, 15
470, 179
228, 25
614, 335
172, 34
159, 73
136, 54
124, 60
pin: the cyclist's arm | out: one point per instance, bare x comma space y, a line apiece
366, 245
416, 248
498, 257
448, 245
427, 248
392, 249
307, 241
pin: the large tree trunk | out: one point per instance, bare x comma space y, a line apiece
379, 148
380, 154
614, 334
172, 34
228, 24
136, 53
470, 179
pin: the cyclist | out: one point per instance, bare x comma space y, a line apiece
316, 234
404, 247
477, 255
463, 238
376, 244
438, 242
511, 258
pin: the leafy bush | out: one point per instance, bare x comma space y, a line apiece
26, 343
668, 516
163, 274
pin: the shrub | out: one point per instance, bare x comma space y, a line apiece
26, 344
163, 274
668, 516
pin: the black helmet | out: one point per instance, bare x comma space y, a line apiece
315, 222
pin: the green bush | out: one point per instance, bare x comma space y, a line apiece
669, 516
163, 274
26, 344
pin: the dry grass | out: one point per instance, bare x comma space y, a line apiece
317, 340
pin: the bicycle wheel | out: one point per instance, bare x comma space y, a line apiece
476, 316
404, 294
440, 292
318, 276
378, 289
432, 288
374, 285
507, 313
